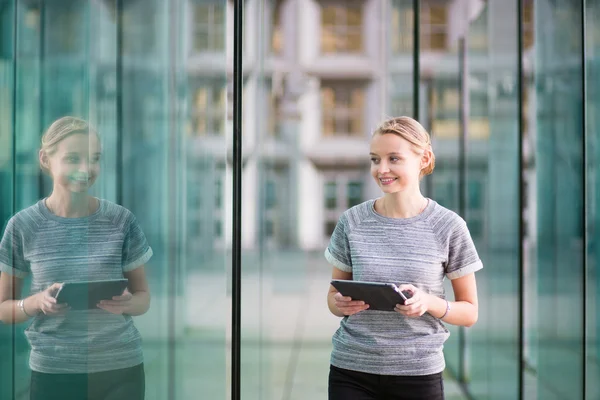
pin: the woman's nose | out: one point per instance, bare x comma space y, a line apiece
84, 167
383, 167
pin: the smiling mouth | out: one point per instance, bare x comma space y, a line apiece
387, 181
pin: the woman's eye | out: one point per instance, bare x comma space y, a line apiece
374, 160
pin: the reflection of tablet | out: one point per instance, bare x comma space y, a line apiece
379, 296
86, 295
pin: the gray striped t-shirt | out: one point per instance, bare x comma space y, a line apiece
53, 249
421, 250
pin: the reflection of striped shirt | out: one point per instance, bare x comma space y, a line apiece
421, 250
55, 249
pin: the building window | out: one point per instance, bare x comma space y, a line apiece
341, 192
434, 19
445, 105
271, 215
343, 108
354, 193
341, 27
402, 37
434, 22
277, 40
274, 110
330, 195
401, 98
270, 195
208, 109
208, 27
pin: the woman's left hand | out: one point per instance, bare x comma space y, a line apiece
415, 306
118, 304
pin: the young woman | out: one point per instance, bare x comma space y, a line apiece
407, 239
72, 236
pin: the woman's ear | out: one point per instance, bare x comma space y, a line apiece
44, 161
426, 158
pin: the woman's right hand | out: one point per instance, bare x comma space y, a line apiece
347, 306
46, 301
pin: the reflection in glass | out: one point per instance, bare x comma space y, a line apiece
330, 195
592, 37
343, 108
341, 27
208, 26
559, 200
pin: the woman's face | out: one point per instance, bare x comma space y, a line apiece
75, 164
395, 165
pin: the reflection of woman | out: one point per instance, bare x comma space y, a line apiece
407, 239
72, 236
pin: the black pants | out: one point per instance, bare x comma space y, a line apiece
120, 384
352, 385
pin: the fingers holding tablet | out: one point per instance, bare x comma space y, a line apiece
47, 303
347, 306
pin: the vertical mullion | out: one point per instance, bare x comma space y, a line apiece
173, 157
416, 54
14, 172
584, 187
521, 223
42, 57
462, 172
237, 200
119, 103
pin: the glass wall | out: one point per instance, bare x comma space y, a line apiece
155, 92
559, 199
155, 78
492, 198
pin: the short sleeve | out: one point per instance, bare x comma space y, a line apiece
338, 251
12, 258
462, 255
136, 250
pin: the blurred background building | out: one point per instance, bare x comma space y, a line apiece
156, 78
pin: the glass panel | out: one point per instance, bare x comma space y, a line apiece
492, 204
592, 44
559, 199
152, 182
7, 206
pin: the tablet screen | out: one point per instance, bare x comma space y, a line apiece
87, 294
379, 296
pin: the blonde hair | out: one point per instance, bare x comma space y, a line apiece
411, 130
60, 130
